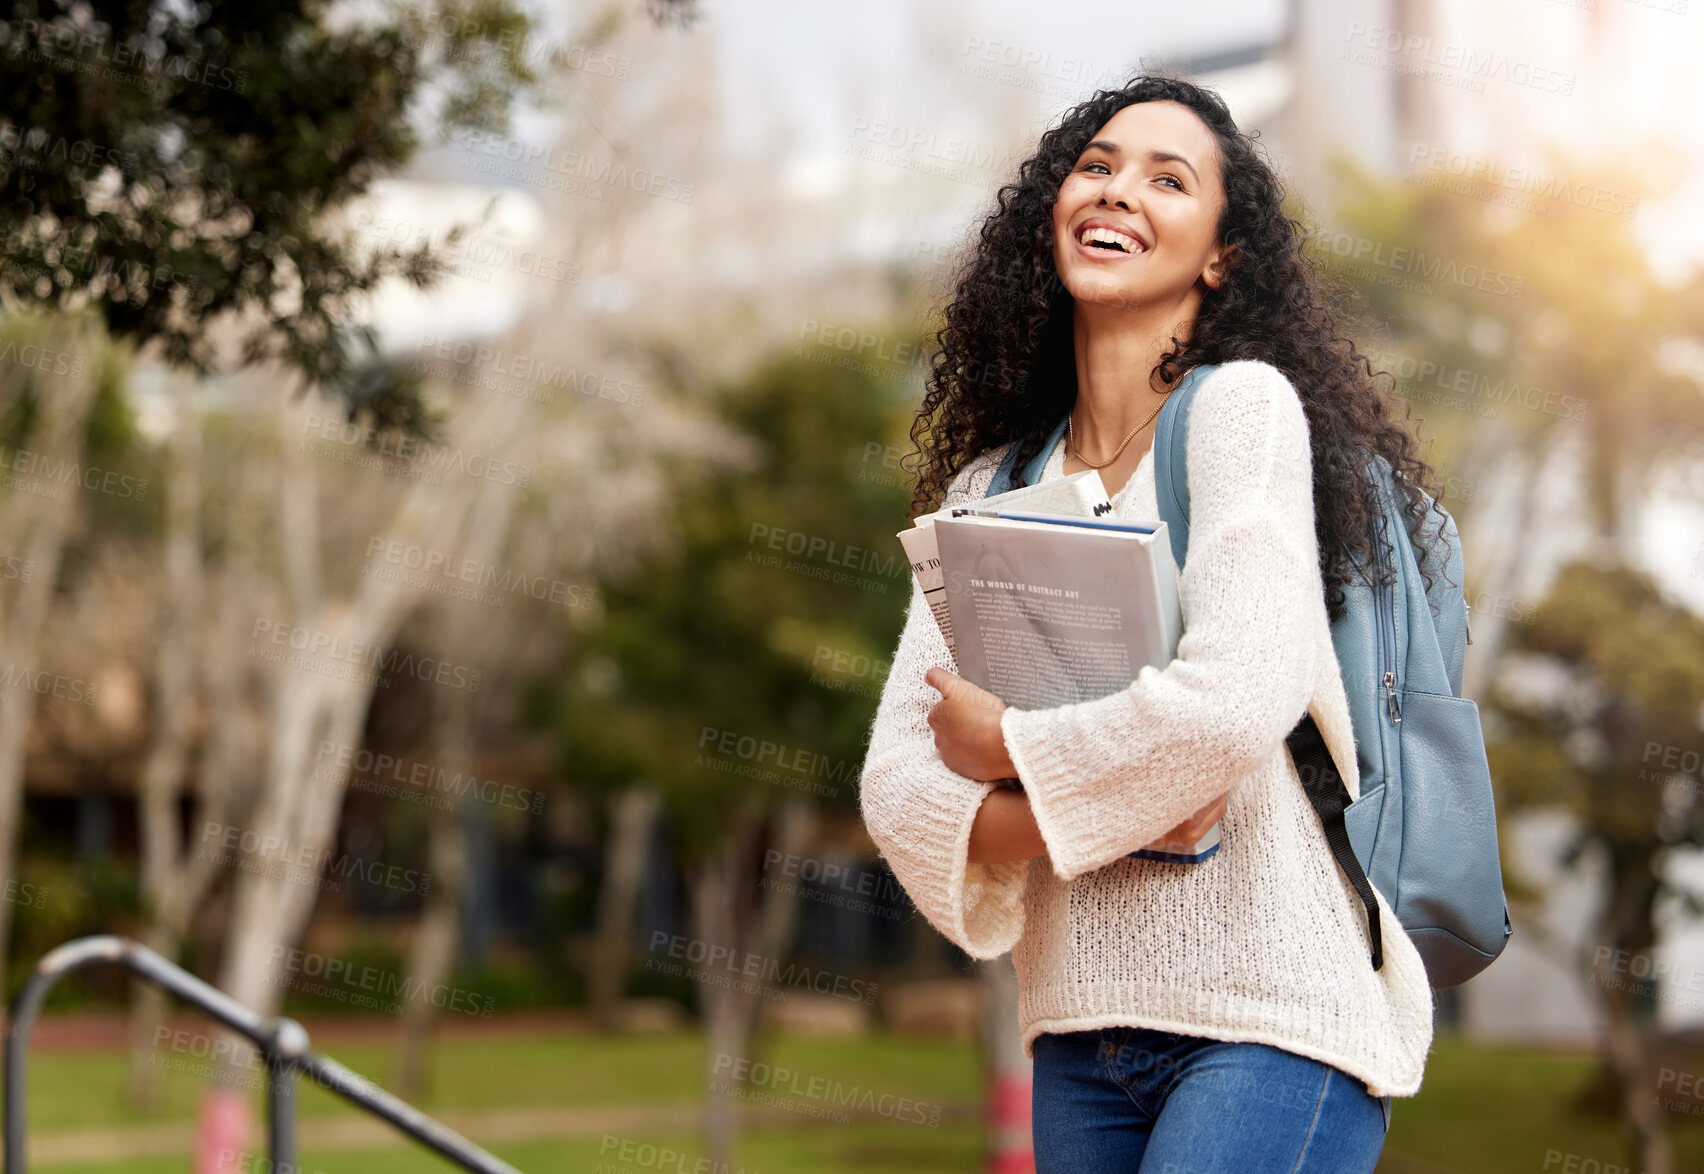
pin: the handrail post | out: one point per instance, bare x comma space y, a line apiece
281, 1113
289, 1045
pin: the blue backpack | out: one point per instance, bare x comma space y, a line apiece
1424, 830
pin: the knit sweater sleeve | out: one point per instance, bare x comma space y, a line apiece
918, 810
1104, 777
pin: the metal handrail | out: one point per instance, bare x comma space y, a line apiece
282, 1043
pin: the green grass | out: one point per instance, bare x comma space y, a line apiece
1482, 1108
71, 1089
1496, 1109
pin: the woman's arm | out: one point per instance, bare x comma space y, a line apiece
921, 813
966, 722
1005, 829
1107, 776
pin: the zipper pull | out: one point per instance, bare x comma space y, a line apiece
1392, 704
1467, 620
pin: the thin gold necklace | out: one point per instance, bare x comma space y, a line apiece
1070, 439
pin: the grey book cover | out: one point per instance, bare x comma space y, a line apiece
1054, 609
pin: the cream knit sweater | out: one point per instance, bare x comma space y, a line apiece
1264, 941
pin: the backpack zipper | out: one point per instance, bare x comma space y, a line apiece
1384, 601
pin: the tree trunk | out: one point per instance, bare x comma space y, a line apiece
715, 924
232, 741
224, 777
1641, 1103
433, 955
298, 809
633, 819
731, 1014
298, 805
161, 784
1628, 925
38, 527
148, 1010
1505, 570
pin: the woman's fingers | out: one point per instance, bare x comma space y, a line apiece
1185, 834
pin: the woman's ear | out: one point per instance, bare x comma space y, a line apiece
1219, 265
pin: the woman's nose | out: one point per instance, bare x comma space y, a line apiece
1119, 193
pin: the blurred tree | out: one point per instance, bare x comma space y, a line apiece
735, 676
1549, 349
1523, 341
47, 403
168, 172
170, 165
177, 175
1626, 679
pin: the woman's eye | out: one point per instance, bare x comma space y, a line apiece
1174, 180
1089, 165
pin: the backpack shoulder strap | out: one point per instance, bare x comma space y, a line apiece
1171, 452
1321, 781
1032, 471
1171, 436
1330, 799
1003, 475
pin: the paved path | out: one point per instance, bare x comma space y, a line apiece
362, 1132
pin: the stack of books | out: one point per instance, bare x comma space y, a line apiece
1045, 600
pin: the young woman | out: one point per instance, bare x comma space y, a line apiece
1221, 1016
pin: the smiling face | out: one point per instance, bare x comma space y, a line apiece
1135, 224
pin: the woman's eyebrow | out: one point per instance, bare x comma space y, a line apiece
1155, 156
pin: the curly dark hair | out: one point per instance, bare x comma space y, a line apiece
1003, 367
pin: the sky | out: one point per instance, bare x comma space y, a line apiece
811, 70
798, 62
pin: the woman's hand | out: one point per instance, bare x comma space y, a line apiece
1005, 829
1185, 835
966, 721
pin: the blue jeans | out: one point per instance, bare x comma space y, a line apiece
1128, 1099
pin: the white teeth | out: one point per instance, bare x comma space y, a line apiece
1112, 237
